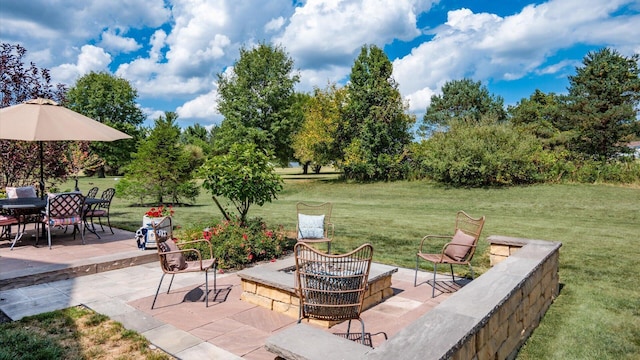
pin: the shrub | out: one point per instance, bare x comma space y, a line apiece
494, 154
235, 245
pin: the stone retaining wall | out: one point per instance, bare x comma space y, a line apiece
490, 318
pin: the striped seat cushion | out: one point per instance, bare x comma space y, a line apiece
7, 220
96, 213
55, 221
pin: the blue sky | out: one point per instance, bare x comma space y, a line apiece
172, 50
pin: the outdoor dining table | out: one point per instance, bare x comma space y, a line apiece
22, 208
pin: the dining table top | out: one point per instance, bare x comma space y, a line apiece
36, 202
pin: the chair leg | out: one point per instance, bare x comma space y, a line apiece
329, 247
109, 222
49, 235
157, 291
415, 279
452, 277
170, 282
206, 288
471, 268
433, 289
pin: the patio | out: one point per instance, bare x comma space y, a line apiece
113, 277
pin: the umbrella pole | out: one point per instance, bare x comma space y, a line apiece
41, 170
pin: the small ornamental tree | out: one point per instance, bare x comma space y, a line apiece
245, 176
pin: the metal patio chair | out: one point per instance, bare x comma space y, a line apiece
173, 259
459, 251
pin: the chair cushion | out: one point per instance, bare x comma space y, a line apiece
56, 221
174, 261
21, 192
7, 220
310, 226
95, 213
459, 252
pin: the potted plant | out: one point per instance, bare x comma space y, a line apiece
155, 214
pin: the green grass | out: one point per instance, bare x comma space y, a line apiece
597, 314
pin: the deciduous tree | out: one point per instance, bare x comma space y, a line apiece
19, 160
245, 176
112, 101
258, 103
315, 143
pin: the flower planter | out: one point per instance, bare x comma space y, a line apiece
150, 241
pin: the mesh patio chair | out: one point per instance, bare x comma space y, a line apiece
26, 215
6, 221
459, 251
332, 287
314, 223
101, 210
92, 192
174, 260
64, 209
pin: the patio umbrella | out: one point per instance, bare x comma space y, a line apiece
44, 120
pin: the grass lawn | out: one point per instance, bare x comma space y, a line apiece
597, 314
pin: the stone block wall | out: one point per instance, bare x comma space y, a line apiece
491, 317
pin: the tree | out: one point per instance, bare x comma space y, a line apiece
20, 163
245, 176
161, 167
109, 100
544, 116
603, 103
375, 128
315, 143
258, 103
462, 99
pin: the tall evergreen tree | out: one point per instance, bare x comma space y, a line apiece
603, 103
258, 103
463, 100
161, 165
375, 127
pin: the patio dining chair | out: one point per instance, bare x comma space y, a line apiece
101, 210
177, 260
64, 209
333, 287
92, 192
459, 251
314, 223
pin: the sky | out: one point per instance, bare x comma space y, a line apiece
171, 51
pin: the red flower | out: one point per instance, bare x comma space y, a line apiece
245, 237
250, 257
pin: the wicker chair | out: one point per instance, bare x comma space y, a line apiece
332, 287
173, 260
459, 251
314, 223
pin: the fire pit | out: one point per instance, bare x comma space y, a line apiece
272, 286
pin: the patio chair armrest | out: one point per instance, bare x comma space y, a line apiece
330, 230
200, 241
428, 237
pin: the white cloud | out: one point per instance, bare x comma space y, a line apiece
275, 24
203, 107
331, 32
485, 46
118, 43
91, 58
